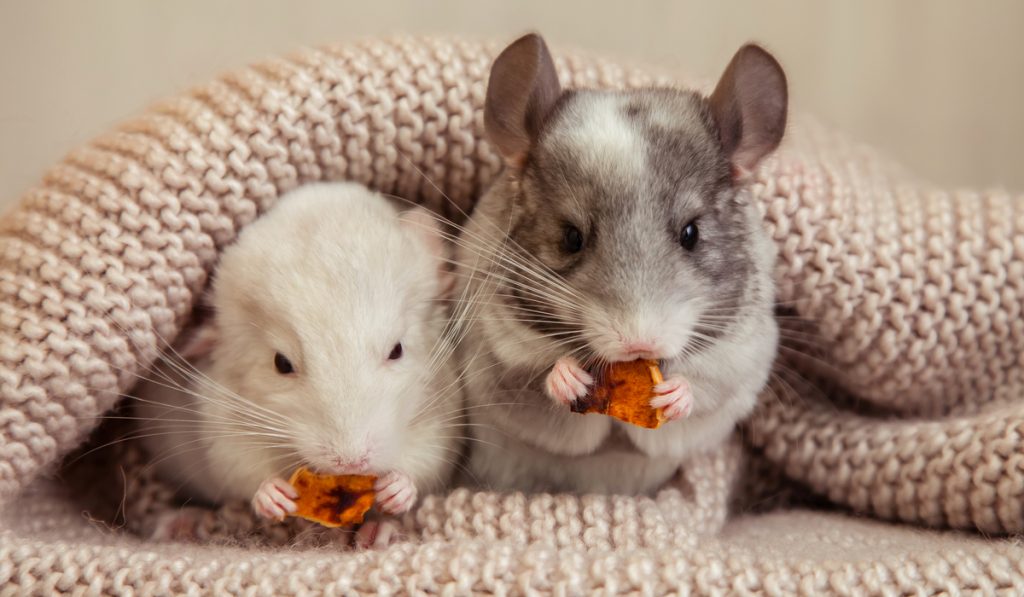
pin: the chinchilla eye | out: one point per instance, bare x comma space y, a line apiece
572, 239
396, 352
283, 365
688, 237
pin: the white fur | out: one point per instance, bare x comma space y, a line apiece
332, 277
598, 133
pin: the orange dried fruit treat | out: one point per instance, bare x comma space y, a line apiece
332, 500
624, 390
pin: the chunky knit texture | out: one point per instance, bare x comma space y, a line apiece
511, 544
910, 299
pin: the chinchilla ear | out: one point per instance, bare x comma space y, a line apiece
521, 92
426, 226
199, 342
749, 106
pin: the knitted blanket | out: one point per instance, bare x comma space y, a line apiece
896, 397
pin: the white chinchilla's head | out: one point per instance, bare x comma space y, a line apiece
327, 322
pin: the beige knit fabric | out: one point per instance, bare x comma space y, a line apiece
510, 545
909, 299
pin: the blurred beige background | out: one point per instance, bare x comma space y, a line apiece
937, 84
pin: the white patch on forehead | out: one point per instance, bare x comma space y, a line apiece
598, 132
675, 114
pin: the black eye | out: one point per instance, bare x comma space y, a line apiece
283, 365
396, 352
688, 237
572, 239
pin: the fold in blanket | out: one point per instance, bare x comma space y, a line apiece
898, 391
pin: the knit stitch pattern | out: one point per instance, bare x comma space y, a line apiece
910, 298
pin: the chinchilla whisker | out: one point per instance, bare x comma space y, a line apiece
720, 324
469, 438
175, 360
458, 415
453, 334
513, 262
520, 252
132, 437
197, 445
569, 336
803, 338
544, 294
525, 316
454, 386
446, 391
179, 364
292, 464
818, 361
535, 296
213, 395
477, 372
519, 271
703, 340
511, 319
229, 401
593, 361
203, 397
239, 426
450, 423
258, 410
512, 306
494, 253
465, 409
465, 233
456, 461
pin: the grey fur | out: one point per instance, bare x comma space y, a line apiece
630, 169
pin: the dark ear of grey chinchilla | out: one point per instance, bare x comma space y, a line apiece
522, 89
749, 106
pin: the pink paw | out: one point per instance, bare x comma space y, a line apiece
567, 381
675, 397
377, 534
396, 493
275, 499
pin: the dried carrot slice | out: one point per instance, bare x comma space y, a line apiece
332, 500
624, 390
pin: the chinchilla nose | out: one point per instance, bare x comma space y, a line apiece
347, 465
640, 349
